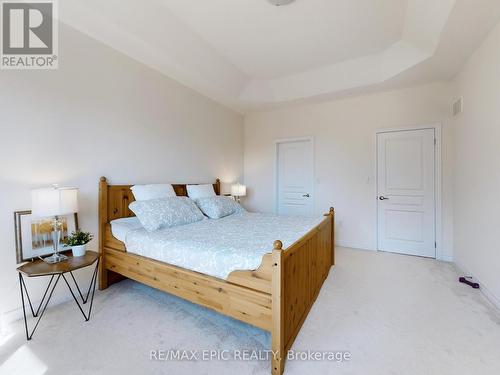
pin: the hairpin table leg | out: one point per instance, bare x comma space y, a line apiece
92, 286
38, 314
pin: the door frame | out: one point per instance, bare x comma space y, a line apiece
279, 141
437, 127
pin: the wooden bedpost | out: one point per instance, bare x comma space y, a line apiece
277, 328
217, 187
332, 224
103, 219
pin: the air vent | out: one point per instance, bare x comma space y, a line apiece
458, 106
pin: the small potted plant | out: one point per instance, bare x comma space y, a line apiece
78, 242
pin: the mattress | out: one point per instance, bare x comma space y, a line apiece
215, 247
120, 227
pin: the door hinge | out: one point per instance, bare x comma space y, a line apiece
435, 245
435, 141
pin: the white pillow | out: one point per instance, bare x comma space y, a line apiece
153, 191
200, 191
160, 213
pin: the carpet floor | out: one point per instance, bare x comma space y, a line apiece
392, 314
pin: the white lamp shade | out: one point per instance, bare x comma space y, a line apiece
238, 190
54, 201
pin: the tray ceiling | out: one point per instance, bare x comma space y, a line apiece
248, 54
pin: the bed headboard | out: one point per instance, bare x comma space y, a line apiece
114, 199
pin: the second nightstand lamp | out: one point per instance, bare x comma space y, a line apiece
54, 202
238, 190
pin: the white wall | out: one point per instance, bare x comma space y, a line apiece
102, 114
344, 136
477, 160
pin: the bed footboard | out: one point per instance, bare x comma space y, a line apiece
297, 277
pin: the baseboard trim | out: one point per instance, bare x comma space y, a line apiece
446, 258
353, 245
487, 293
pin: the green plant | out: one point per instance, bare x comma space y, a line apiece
78, 238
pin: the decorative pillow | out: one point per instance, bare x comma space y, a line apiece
154, 191
217, 207
160, 213
200, 191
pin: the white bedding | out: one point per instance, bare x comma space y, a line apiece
218, 247
120, 227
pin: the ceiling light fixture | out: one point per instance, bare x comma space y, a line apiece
279, 3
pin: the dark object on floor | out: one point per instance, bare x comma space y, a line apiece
468, 282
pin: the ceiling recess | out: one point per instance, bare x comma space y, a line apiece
279, 3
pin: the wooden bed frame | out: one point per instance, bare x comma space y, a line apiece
276, 297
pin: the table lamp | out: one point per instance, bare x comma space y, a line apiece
238, 190
54, 202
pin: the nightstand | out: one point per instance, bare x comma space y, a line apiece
39, 268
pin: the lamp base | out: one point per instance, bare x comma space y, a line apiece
55, 258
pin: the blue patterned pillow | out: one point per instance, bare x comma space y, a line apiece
219, 206
165, 212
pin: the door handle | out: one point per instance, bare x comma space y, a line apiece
382, 198
306, 195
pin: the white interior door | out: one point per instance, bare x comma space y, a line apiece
295, 177
406, 192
